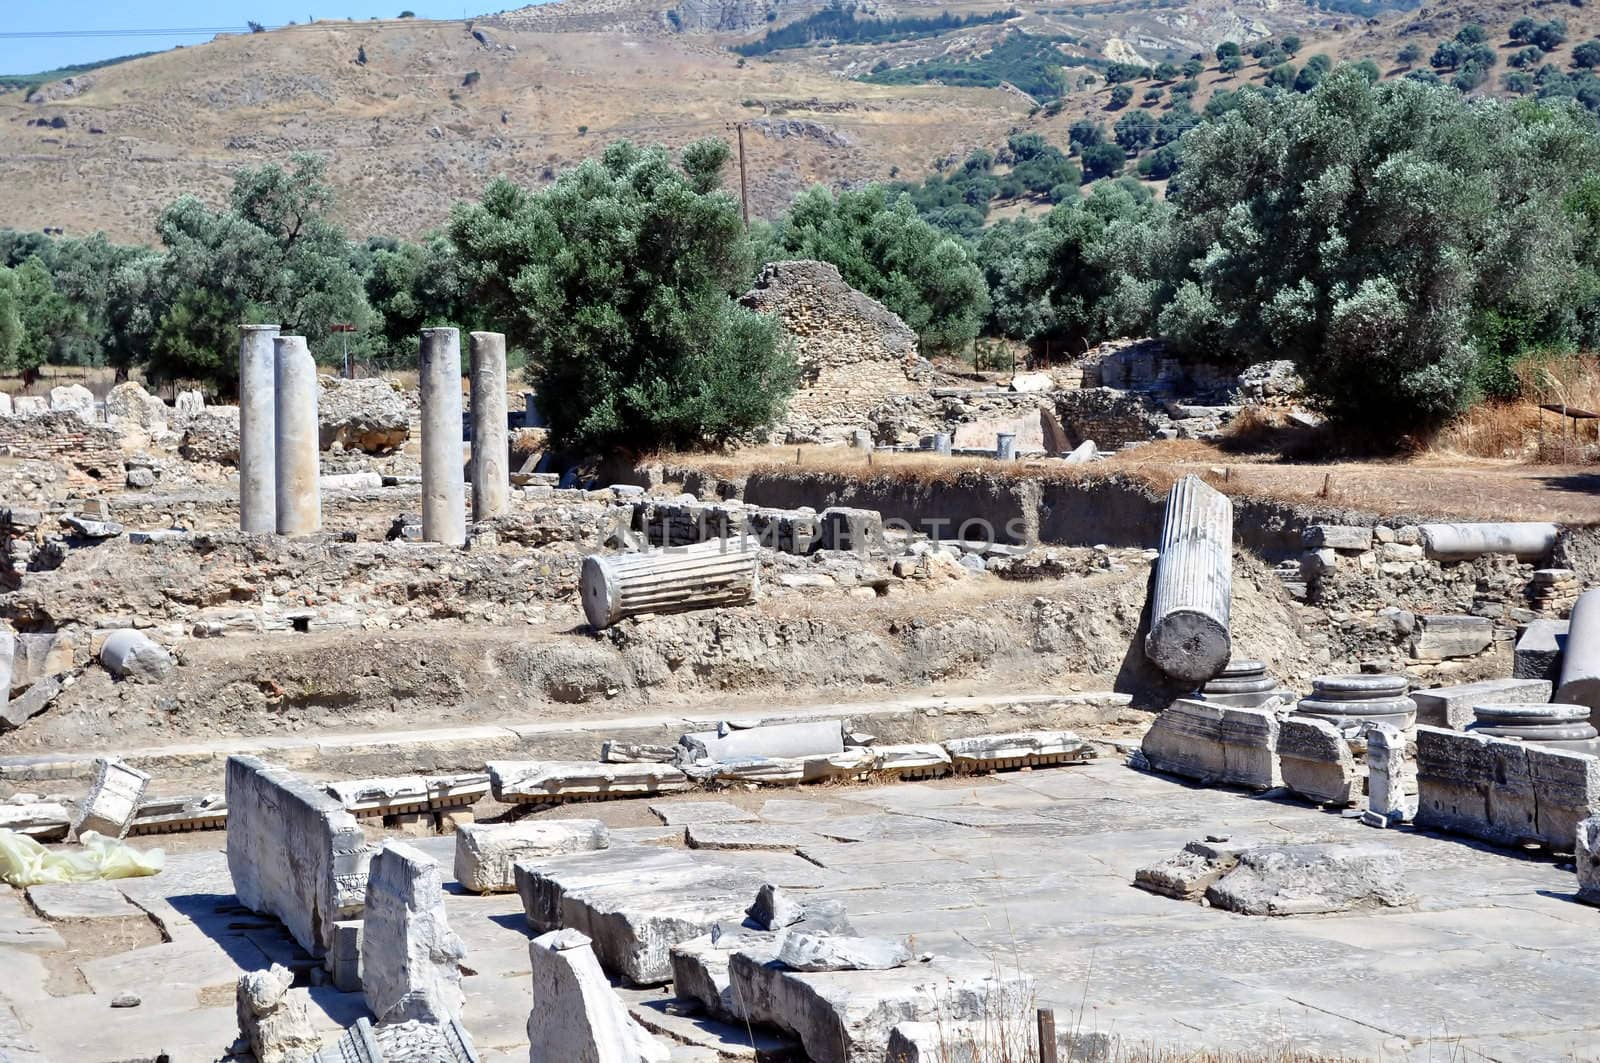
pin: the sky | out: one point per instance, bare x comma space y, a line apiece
86, 30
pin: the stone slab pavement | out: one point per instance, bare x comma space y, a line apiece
1031, 869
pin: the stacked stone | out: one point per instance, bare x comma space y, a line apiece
1553, 591
1554, 726
1242, 683
1360, 698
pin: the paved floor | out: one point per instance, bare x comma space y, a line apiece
1495, 961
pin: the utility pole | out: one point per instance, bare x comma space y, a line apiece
744, 189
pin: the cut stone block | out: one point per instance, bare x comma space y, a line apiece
1336, 537
44, 821
856, 530
1188, 875
1391, 774
635, 903
1316, 762
1019, 749
615, 752
1587, 860
410, 958
847, 1016
524, 782
1538, 652
113, 800
1216, 744
293, 851
697, 813
577, 1016
700, 969
775, 740
915, 760
748, 836
486, 853
1310, 880
836, 952
1445, 637
1503, 791
1451, 707
78, 901
785, 771
30, 703
343, 961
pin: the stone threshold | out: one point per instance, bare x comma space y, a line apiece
466, 748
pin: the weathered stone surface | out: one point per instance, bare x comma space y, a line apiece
405, 1042
784, 771
1538, 652
700, 968
847, 1016
857, 530
634, 903
911, 760
691, 813
724, 572
747, 836
1216, 744
964, 1042
1451, 707
364, 414
256, 441
769, 740
1445, 637
1503, 791
1587, 859
1529, 541
835, 952
1316, 761
297, 492
1188, 875
73, 398
1580, 657
46, 821
553, 780
212, 435
274, 1019
410, 958
132, 655
128, 403
486, 853
576, 1016
1018, 749
615, 752
1311, 879
113, 800
1189, 638
293, 851
1349, 700
1336, 537
1391, 774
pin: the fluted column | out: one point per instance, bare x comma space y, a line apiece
491, 479
1580, 659
444, 514
1189, 638
722, 572
296, 434
258, 482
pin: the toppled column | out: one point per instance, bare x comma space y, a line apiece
1528, 541
297, 437
1189, 638
576, 1014
410, 958
723, 572
491, 479
113, 800
258, 502
1580, 657
132, 655
444, 516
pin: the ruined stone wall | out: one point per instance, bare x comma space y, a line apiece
1109, 417
910, 419
853, 353
87, 451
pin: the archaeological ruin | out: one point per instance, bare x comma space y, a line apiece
356, 722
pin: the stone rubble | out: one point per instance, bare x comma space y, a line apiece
410, 958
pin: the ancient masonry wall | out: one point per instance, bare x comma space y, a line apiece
86, 449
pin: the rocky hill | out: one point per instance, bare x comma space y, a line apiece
414, 115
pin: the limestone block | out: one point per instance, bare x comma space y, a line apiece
1311, 879
1391, 774
856, 530
293, 851
1504, 791
1587, 859
1316, 761
554, 780
616, 752
1017, 749
847, 1016
915, 760
30, 703
404, 1042
274, 1019
1538, 652
577, 1017
811, 738
344, 956
1444, 637
785, 771
747, 836
964, 1042
1451, 707
365, 414
835, 952
410, 958
8, 656
1196, 867
129, 654
700, 813
487, 852
1454, 775
1219, 744
45, 821
113, 800
73, 398
1566, 788
635, 903
352, 481
1336, 537
700, 969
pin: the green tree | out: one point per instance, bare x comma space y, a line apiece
1282, 76
1226, 49
1135, 131
1411, 54
882, 247
1587, 55
1120, 97
1103, 160
618, 281
10, 318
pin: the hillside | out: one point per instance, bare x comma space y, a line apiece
438, 108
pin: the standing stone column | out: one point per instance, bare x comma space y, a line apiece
296, 437
1189, 638
444, 515
258, 482
491, 478
1580, 660
941, 443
